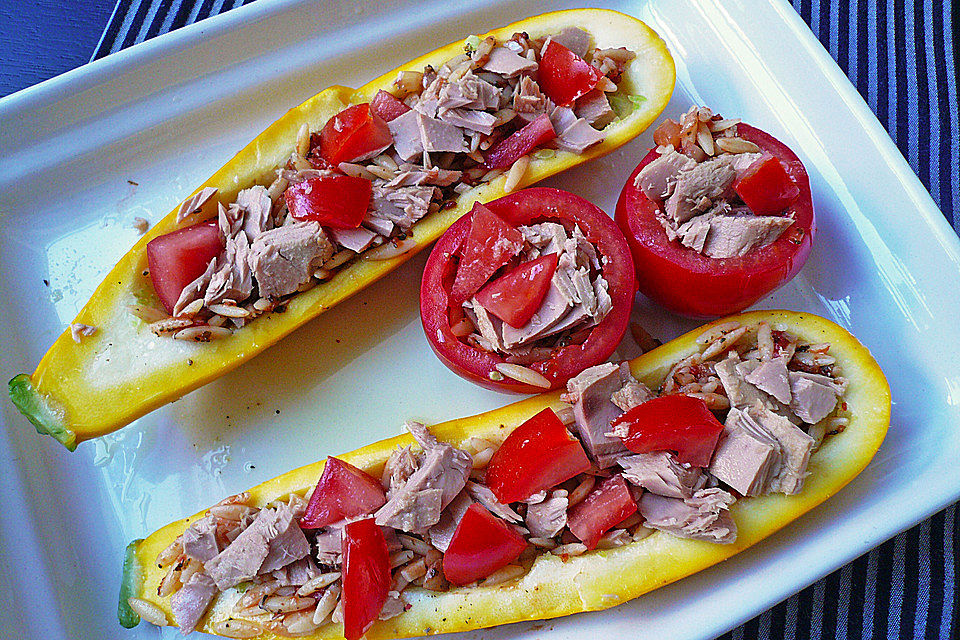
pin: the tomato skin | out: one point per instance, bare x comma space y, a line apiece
606, 506
516, 296
564, 76
342, 492
481, 544
520, 143
672, 423
340, 202
490, 244
526, 207
387, 106
537, 455
695, 285
766, 187
178, 258
356, 133
366, 576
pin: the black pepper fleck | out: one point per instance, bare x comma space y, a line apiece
46, 282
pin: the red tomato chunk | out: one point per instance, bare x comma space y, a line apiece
481, 544
520, 143
387, 106
605, 507
564, 76
537, 455
366, 576
356, 133
490, 245
342, 492
516, 296
334, 201
766, 187
676, 423
178, 258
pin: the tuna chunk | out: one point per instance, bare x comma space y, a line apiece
553, 308
507, 63
547, 519
200, 539
400, 466
441, 533
594, 107
406, 135
631, 395
575, 39
740, 392
233, 279
411, 175
578, 137
660, 473
529, 101
771, 377
593, 410
479, 121
439, 136
257, 208
658, 178
735, 235
469, 92
192, 601
705, 516
747, 456
484, 495
272, 540
401, 206
443, 473
329, 544
795, 449
359, 239
284, 258
812, 400
697, 188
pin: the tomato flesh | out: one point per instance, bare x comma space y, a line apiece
490, 245
606, 506
440, 307
692, 284
516, 296
480, 545
564, 76
342, 492
537, 455
340, 202
366, 576
520, 143
178, 258
387, 106
766, 187
356, 133
677, 423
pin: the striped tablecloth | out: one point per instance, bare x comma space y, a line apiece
900, 56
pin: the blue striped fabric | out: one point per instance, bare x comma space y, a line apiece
900, 56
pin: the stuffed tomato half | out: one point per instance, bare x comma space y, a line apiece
527, 291
717, 216
637, 476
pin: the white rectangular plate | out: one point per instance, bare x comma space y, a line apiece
130, 135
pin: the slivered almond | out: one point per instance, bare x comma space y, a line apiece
736, 145
705, 139
523, 374
229, 311
148, 611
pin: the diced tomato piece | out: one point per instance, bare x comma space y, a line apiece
520, 143
537, 455
343, 491
387, 106
340, 202
677, 423
480, 545
178, 258
605, 507
490, 245
356, 133
366, 576
516, 296
564, 76
766, 187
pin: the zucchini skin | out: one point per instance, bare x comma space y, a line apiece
124, 372
598, 579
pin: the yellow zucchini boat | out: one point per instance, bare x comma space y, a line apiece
556, 585
85, 389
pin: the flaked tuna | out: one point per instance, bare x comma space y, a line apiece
705, 516
284, 258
